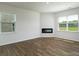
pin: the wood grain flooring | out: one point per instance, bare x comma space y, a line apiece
41, 47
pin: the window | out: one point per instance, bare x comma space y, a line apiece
68, 23
7, 22
73, 23
62, 23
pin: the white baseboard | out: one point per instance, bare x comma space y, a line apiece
27, 38
59, 36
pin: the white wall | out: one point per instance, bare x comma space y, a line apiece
50, 20
66, 35
27, 25
47, 21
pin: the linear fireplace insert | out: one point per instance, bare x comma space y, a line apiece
47, 30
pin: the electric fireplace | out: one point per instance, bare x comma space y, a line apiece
47, 30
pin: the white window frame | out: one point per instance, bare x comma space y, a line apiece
13, 22
67, 24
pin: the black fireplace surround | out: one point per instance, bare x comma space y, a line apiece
47, 30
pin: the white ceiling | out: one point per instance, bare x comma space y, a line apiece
43, 6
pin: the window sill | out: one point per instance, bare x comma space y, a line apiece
70, 31
6, 32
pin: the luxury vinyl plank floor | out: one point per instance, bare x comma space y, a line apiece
41, 47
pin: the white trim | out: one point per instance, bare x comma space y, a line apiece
67, 31
67, 25
78, 23
14, 15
